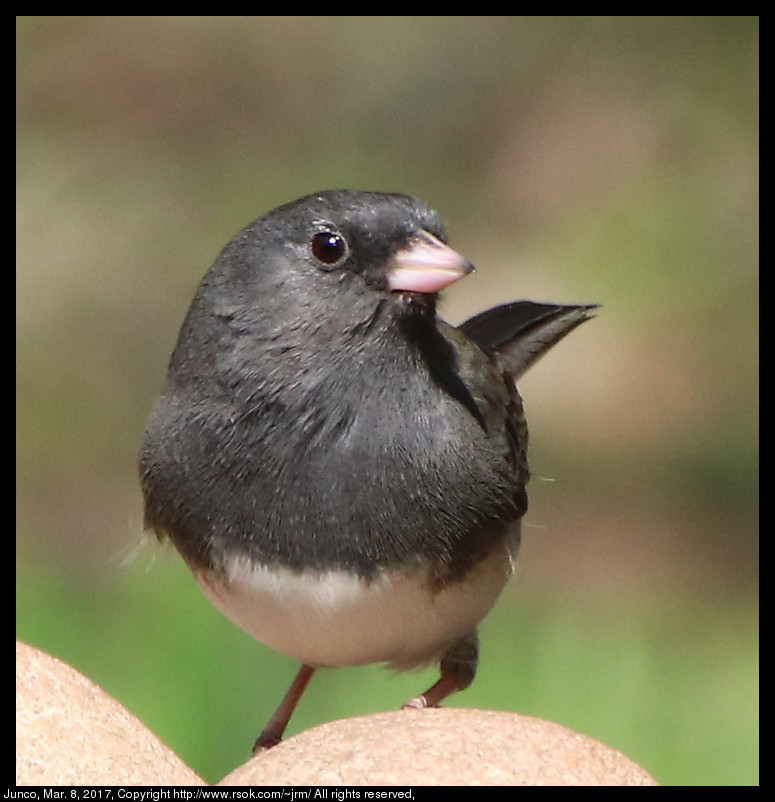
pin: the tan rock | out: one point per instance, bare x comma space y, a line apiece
445, 746
70, 732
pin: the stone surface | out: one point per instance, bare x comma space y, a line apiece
70, 732
445, 746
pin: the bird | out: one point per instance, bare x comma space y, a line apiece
343, 471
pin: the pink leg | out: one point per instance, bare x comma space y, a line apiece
273, 732
458, 669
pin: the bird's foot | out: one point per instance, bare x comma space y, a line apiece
265, 741
418, 703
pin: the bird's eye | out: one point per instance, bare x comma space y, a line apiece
329, 247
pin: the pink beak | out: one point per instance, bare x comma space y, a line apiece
426, 265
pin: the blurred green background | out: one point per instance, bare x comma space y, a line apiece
575, 159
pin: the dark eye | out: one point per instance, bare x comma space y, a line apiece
328, 247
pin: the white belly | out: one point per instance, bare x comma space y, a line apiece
335, 619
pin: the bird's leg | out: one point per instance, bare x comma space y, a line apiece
272, 734
458, 669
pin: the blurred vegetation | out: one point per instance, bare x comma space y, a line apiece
577, 159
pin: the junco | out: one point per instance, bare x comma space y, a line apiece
344, 472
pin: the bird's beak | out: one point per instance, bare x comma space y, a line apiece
426, 264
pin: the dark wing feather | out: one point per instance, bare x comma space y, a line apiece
523, 331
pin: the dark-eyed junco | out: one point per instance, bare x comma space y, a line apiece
343, 471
